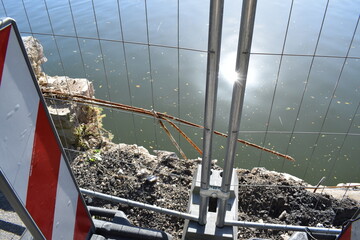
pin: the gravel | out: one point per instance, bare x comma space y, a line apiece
164, 180
11, 226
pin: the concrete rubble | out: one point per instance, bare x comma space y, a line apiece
80, 126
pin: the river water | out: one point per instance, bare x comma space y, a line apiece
295, 103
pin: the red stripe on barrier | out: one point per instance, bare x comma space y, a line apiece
82, 221
4, 39
346, 235
44, 171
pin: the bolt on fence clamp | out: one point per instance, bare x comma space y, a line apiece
214, 193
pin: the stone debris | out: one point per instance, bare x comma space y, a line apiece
36, 56
80, 126
164, 180
131, 172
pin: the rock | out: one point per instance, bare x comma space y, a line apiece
143, 173
73, 86
79, 126
320, 225
285, 236
36, 56
69, 115
151, 179
165, 155
283, 216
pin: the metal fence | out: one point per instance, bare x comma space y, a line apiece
302, 96
304, 100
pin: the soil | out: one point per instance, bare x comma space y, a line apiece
164, 180
267, 196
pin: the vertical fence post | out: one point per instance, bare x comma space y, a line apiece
242, 63
214, 45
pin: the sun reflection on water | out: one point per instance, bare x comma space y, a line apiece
228, 73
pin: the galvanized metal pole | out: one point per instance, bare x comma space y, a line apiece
214, 45
242, 63
110, 213
138, 204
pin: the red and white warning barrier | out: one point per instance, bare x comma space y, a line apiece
31, 158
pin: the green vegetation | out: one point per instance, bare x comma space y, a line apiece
89, 133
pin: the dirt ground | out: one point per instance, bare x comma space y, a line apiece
164, 180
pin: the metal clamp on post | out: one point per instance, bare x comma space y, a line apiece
214, 193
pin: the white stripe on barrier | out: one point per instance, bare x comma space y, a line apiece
66, 203
18, 111
43, 175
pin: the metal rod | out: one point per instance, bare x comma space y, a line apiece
331, 231
103, 212
242, 63
214, 46
195, 218
317, 185
139, 204
109, 230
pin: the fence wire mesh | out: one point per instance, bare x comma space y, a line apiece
302, 96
